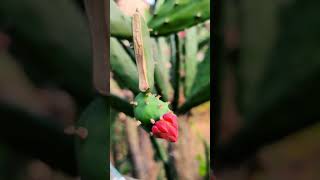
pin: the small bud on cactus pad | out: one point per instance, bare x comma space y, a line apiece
156, 117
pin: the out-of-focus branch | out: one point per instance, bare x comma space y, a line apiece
98, 16
38, 137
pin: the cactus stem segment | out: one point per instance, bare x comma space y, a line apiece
146, 102
149, 94
152, 121
138, 123
160, 106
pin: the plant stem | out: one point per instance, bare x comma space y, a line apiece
120, 105
176, 60
128, 50
163, 157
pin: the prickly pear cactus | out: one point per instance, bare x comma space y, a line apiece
176, 15
155, 116
149, 107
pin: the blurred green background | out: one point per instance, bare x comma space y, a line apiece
269, 76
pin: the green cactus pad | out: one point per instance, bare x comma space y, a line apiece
191, 46
120, 24
148, 107
161, 73
122, 66
174, 16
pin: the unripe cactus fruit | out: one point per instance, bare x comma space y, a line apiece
155, 116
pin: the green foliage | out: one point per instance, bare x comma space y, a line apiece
174, 16
278, 77
48, 44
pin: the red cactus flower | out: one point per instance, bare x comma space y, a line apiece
166, 127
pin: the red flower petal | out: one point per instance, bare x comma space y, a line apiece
166, 127
162, 126
155, 130
172, 118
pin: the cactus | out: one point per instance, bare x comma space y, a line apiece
65, 46
148, 108
122, 66
191, 47
120, 24
167, 6
200, 91
154, 115
155, 84
168, 17
161, 75
174, 16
